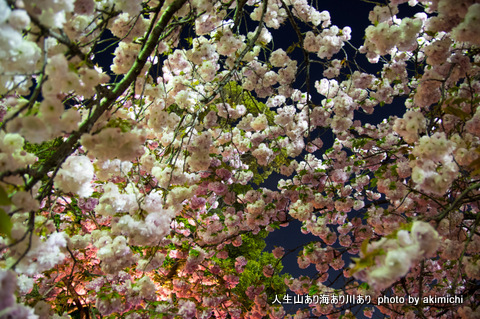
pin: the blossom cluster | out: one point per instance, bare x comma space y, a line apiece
399, 254
18, 55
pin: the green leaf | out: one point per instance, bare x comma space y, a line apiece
5, 223
365, 286
57, 220
291, 48
313, 290
475, 165
457, 112
72, 67
4, 200
364, 246
368, 260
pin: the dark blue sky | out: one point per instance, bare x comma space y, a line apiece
352, 13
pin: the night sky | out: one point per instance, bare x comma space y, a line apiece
352, 13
